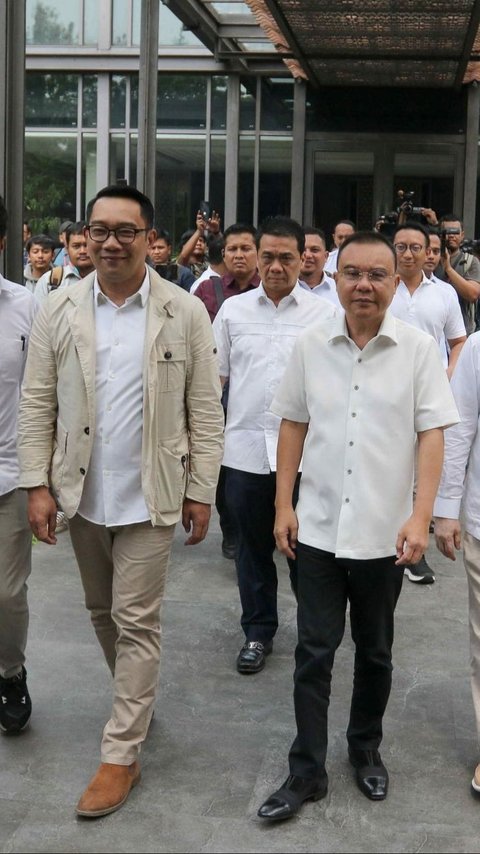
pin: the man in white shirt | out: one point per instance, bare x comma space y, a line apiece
79, 264
255, 333
121, 418
355, 421
343, 229
312, 273
457, 520
17, 309
430, 305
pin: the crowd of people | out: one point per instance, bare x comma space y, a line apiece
307, 394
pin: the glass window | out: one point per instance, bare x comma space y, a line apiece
50, 180
275, 178
246, 160
171, 31
136, 21
219, 103
117, 158
89, 170
89, 103
121, 23
53, 22
180, 182
248, 89
217, 174
277, 104
90, 22
51, 100
182, 101
118, 101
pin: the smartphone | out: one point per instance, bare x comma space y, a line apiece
204, 209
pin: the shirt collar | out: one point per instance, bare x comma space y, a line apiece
388, 328
141, 295
425, 281
229, 280
295, 294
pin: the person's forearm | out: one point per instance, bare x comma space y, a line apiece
455, 350
429, 470
465, 288
187, 249
289, 454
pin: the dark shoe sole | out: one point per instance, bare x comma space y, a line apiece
419, 579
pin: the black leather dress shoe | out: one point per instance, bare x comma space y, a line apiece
370, 773
251, 658
228, 548
286, 801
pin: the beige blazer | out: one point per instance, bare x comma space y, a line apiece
182, 415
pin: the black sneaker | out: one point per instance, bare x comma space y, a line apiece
420, 573
15, 703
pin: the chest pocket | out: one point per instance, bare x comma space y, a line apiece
171, 366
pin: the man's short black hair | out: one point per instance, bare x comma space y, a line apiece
366, 238
42, 240
318, 232
414, 226
282, 226
118, 191
163, 234
451, 217
3, 218
74, 228
345, 222
215, 245
240, 228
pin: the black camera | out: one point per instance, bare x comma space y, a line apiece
470, 246
405, 209
406, 206
444, 232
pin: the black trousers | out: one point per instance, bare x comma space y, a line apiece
251, 501
325, 584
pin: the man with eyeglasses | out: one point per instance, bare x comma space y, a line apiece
431, 306
121, 419
461, 269
354, 420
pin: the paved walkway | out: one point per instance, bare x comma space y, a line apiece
219, 741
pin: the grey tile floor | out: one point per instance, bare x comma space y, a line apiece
219, 741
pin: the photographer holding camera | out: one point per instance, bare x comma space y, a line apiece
461, 269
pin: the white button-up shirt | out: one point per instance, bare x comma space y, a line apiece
254, 340
330, 265
326, 289
459, 491
17, 310
112, 493
364, 409
433, 307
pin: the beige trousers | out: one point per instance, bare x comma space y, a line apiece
123, 573
471, 555
15, 567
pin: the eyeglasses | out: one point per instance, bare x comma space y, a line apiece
400, 248
353, 275
124, 234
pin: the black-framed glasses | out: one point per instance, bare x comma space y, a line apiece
400, 248
123, 234
376, 277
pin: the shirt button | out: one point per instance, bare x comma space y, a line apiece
87, 430
349, 471
355, 387
82, 471
360, 359
168, 354
109, 408
347, 501
354, 414
350, 443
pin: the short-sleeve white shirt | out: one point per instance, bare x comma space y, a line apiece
254, 340
17, 310
433, 307
364, 409
326, 289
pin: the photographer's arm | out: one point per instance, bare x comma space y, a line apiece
466, 288
183, 256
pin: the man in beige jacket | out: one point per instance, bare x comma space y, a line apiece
121, 420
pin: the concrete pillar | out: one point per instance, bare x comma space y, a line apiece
231, 154
12, 122
471, 159
147, 99
298, 150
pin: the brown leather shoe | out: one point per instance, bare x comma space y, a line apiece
108, 790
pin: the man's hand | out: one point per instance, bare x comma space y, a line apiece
42, 514
412, 541
195, 518
200, 223
286, 531
448, 536
213, 223
429, 215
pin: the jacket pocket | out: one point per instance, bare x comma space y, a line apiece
59, 456
172, 476
171, 366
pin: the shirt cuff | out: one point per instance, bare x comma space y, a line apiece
447, 508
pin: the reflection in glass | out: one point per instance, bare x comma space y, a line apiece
275, 177
53, 22
182, 101
248, 89
217, 174
89, 170
171, 31
180, 182
246, 160
51, 100
50, 180
219, 103
118, 100
277, 104
90, 22
121, 23
117, 158
89, 103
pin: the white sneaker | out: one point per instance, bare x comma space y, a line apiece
62, 522
476, 780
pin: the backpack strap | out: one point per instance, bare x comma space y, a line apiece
217, 287
55, 280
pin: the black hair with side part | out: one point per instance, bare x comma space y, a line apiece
282, 226
367, 238
118, 191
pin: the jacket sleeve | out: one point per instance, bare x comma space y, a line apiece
38, 406
204, 410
